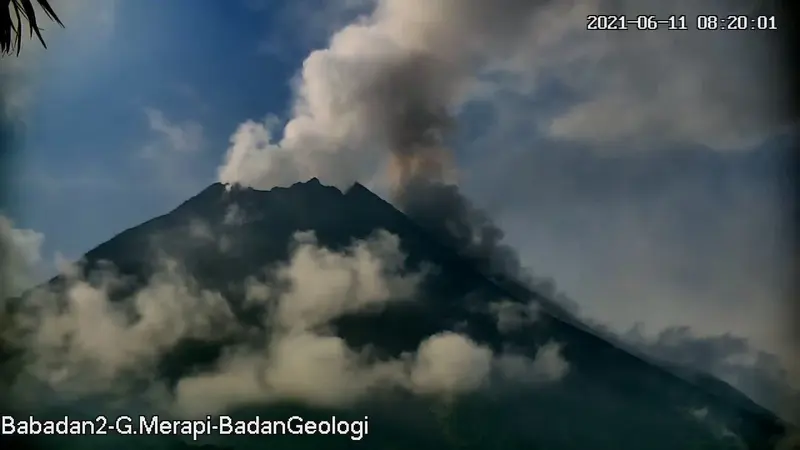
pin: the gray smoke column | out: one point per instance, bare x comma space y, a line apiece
378, 104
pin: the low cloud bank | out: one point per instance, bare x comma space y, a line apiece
82, 344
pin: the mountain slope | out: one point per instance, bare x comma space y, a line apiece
608, 399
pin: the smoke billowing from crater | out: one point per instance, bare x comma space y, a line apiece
384, 90
381, 100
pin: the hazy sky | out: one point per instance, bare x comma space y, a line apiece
641, 173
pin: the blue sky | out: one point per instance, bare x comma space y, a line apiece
87, 124
642, 174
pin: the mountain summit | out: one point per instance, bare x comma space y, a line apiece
311, 301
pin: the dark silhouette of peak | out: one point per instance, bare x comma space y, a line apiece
610, 398
358, 188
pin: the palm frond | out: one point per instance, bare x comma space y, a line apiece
13, 19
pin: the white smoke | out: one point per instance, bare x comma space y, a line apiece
762, 376
88, 342
378, 104
20, 253
393, 81
85, 343
302, 363
511, 316
387, 82
450, 363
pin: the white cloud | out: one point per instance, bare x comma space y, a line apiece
199, 229
758, 374
347, 282
389, 82
548, 365
697, 239
171, 154
720, 430
84, 343
202, 232
450, 363
20, 254
302, 363
184, 137
319, 20
385, 82
252, 154
511, 315
234, 215
653, 91
301, 366
95, 344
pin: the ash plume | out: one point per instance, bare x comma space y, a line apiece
381, 96
378, 104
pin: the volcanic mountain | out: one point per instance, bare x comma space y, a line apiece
609, 398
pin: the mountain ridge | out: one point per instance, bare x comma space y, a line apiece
510, 287
339, 217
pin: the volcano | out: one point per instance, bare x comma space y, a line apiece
610, 397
